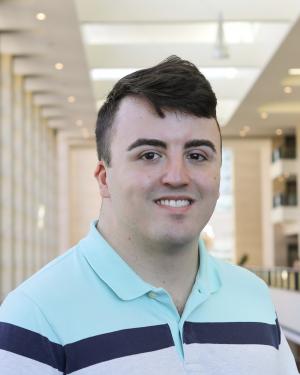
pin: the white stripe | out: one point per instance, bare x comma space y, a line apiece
159, 362
225, 359
15, 364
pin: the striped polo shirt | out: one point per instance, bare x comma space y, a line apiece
87, 313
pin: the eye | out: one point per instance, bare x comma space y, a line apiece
150, 155
196, 156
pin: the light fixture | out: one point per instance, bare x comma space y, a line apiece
294, 71
71, 99
41, 216
264, 115
220, 50
79, 122
287, 89
284, 275
40, 16
59, 66
278, 131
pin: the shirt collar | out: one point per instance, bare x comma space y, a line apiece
110, 267
208, 279
121, 278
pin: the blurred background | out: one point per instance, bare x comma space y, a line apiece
58, 61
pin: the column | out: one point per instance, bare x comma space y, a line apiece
6, 163
29, 184
18, 181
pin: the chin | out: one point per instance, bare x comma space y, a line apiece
176, 239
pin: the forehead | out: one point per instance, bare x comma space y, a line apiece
136, 118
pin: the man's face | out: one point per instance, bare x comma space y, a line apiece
163, 181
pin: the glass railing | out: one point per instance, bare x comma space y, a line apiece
283, 153
282, 199
279, 277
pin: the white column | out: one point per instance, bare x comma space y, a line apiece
18, 180
6, 189
29, 184
36, 187
63, 192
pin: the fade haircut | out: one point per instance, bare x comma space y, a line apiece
173, 84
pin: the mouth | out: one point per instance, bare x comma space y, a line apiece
174, 202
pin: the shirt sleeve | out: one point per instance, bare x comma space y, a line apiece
28, 343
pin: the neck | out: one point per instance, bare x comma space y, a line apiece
170, 266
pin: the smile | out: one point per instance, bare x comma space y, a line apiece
174, 203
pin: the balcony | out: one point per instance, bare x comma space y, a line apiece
283, 153
283, 168
284, 286
284, 200
279, 277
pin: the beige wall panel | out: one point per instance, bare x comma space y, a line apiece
84, 195
252, 223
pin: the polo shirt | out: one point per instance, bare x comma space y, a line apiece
87, 313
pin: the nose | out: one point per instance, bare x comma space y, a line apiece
176, 173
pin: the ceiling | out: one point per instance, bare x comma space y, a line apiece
99, 41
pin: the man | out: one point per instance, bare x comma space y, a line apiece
140, 294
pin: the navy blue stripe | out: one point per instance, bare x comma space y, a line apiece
31, 345
117, 344
232, 333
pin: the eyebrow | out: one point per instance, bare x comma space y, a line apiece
158, 143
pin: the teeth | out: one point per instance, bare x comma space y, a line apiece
174, 203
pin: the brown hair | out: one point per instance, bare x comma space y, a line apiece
172, 84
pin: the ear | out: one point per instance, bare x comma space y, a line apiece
101, 176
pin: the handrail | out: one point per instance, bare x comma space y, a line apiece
279, 277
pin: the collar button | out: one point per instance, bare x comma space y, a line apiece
152, 295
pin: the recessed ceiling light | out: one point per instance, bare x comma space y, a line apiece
71, 99
40, 16
287, 89
264, 115
278, 131
79, 122
294, 71
59, 66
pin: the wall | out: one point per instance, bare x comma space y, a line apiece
84, 196
253, 198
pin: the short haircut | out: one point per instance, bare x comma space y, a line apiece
173, 84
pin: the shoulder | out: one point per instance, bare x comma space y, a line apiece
53, 275
234, 275
32, 300
243, 294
